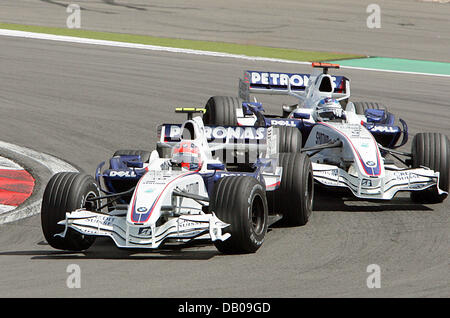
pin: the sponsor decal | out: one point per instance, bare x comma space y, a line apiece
296, 80
192, 188
366, 183
384, 129
370, 164
235, 132
376, 170
281, 79
123, 174
287, 123
182, 223
100, 220
145, 231
234, 175
322, 138
141, 209
331, 172
142, 217
406, 175
219, 132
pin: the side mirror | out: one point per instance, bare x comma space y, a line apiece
215, 166
135, 164
302, 115
133, 161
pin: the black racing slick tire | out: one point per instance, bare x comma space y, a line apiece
241, 202
290, 139
221, 111
145, 155
66, 192
361, 107
431, 150
294, 198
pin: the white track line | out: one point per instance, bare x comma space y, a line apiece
54, 164
6, 208
9, 165
72, 39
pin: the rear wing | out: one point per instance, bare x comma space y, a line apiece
190, 111
171, 133
274, 83
257, 139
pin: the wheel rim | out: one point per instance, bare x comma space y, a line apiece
90, 205
309, 193
257, 215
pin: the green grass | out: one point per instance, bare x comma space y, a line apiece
223, 47
402, 65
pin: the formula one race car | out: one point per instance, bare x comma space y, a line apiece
351, 144
215, 182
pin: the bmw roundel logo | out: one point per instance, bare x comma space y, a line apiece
371, 164
142, 209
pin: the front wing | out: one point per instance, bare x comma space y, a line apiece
180, 229
386, 187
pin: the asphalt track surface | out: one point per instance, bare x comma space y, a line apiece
82, 102
414, 29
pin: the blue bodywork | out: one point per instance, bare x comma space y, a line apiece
379, 122
125, 171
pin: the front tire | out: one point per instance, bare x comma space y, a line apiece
241, 202
431, 150
290, 139
66, 192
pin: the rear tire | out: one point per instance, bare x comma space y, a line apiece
221, 111
294, 198
66, 192
241, 202
431, 150
290, 139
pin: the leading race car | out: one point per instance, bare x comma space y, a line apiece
351, 144
183, 191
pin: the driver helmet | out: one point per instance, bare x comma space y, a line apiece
329, 109
187, 155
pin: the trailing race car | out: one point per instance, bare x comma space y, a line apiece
183, 191
350, 144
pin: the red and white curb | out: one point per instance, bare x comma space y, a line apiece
10, 210
16, 185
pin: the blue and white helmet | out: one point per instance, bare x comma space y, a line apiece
329, 109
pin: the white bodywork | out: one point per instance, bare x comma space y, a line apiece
358, 164
155, 215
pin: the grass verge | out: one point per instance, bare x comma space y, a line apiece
223, 47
